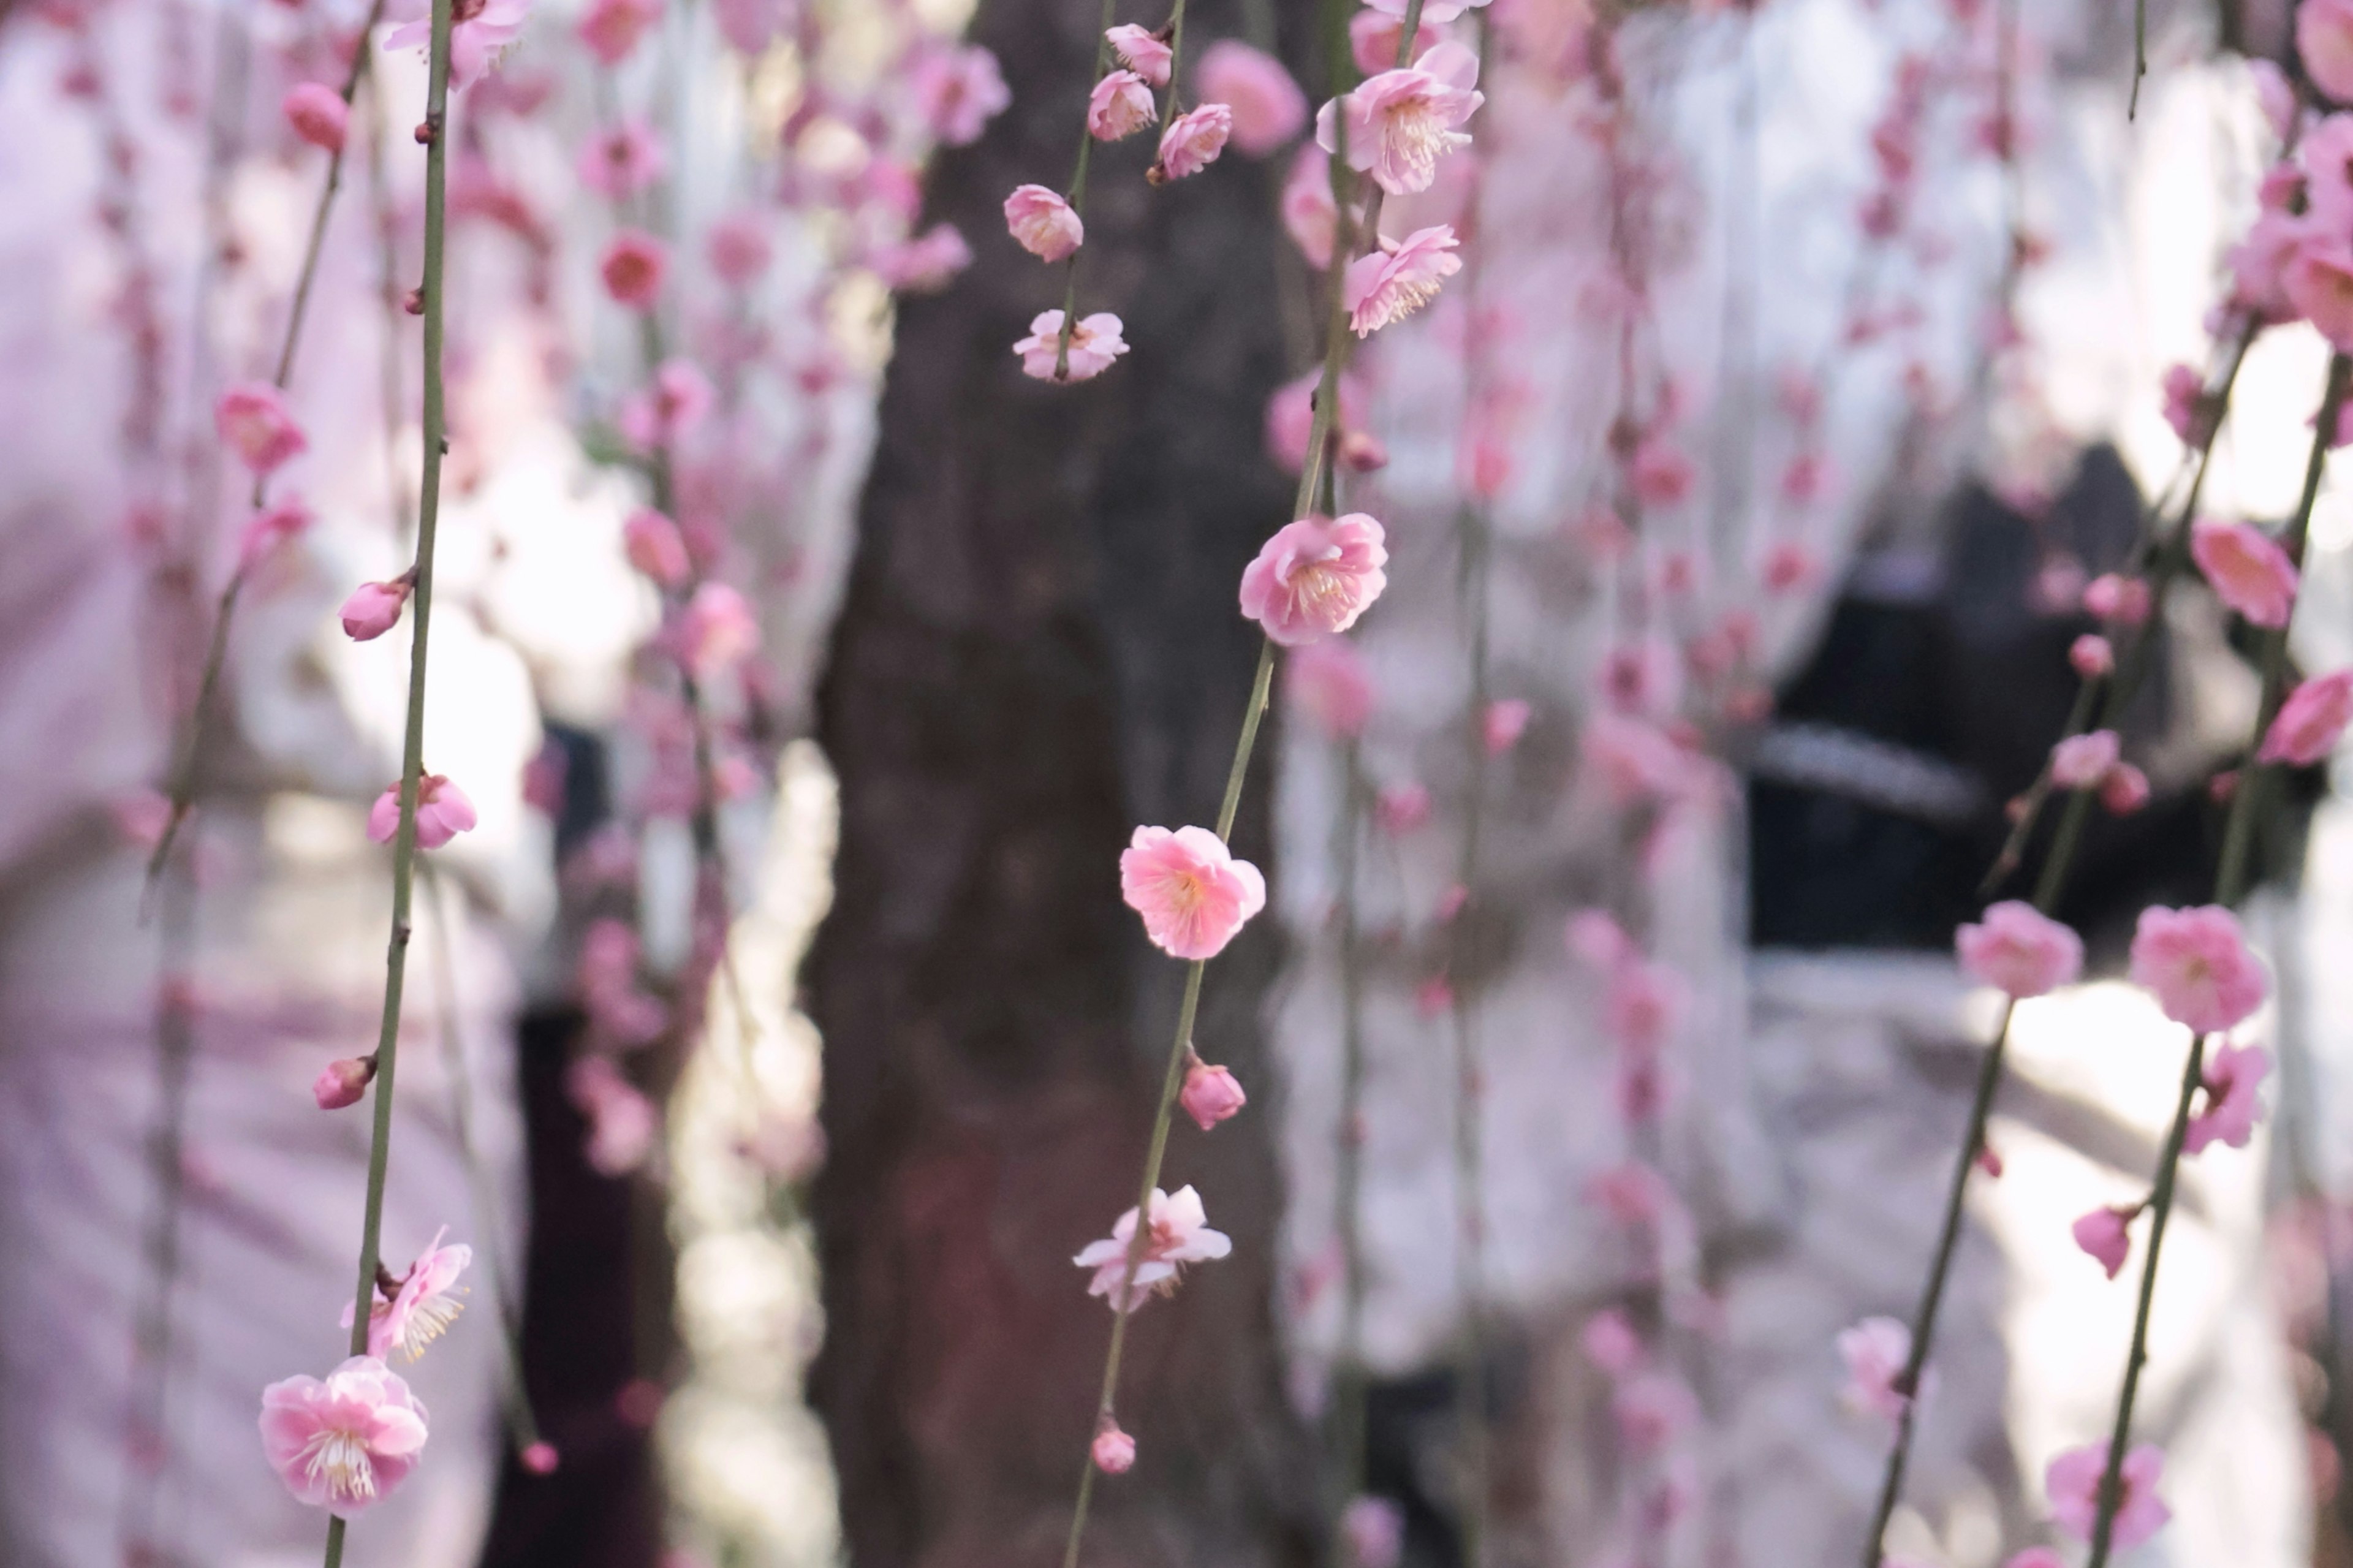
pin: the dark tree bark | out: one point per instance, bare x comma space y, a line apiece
1040, 649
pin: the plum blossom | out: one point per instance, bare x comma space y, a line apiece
1210, 1094
1401, 121
1310, 216
421, 1308
1112, 1451
2316, 277
1095, 342
632, 267
958, 90
1191, 891
2248, 571
1401, 808
1876, 1351
2310, 722
1269, 109
2082, 762
622, 1123
1043, 223
657, 416
2324, 41
1191, 143
1652, 1407
317, 113
2092, 655
268, 529
1120, 106
622, 161
738, 249
374, 608
716, 630
656, 548
923, 264
1502, 723
253, 419
343, 1443
2102, 1233
2074, 1482
479, 31
2020, 951
1376, 38
443, 812
1178, 1232
341, 1083
1327, 681
2120, 601
612, 28
1140, 51
1315, 577
2185, 405
1392, 282
2125, 790
2232, 1076
2198, 966
1374, 1530
1609, 1343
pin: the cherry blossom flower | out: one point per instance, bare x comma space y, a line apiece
1876, 1351
2081, 761
443, 812
1376, 33
2310, 722
2232, 1076
1401, 121
1191, 891
655, 416
1178, 1234
421, 1308
317, 113
374, 608
2092, 655
1310, 216
253, 419
1327, 681
540, 1459
2102, 1233
1315, 577
612, 28
2248, 571
1043, 223
1095, 342
655, 547
1391, 283
1140, 51
343, 1443
1113, 1451
1373, 1530
958, 90
923, 264
1502, 723
623, 160
1291, 415
738, 249
343, 1082
632, 267
2125, 790
266, 530
716, 630
479, 31
2074, 1482
2324, 41
1269, 109
1120, 106
2198, 964
2120, 601
1210, 1094
1191, 143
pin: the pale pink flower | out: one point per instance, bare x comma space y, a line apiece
1327, 682
1310, 216
2317, 275
1401, 121
1315, 577
344, 1443
1178, 1234
1651, 1408
2074, 1482
1876, 1351
611, 29
253, 418
1120, 106
1593, 936
374, 608
479, 31
623, 1124
2310, 722
2092, 656
1043, 223
2324, 40
2081, 761
1269, 109
2275, 96
1191, 143
2198, 966
540, 1459
2125, 790
2259, 262
443, 812
632, 267
2185, 396
1374, 1530
1112, 1451
1790, 565
1095, 342
2248, 572
267, 529
343, 1082
1291, 417
422, 1306
1211, 1094
1662, 474
716, 630
2120, 601
1191, 891
958, 90
317, 113
656, 548
738, 249
1391, 283
622, 161
1377, 37
657, 416
1610, 1342
923, 264
2232, 1076
1502, 723
1141, 52
2102, 1233
1401, 808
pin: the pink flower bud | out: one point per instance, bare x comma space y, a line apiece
1043, 223
2248, 571
2102, 1233
632, 267
2310, 722
2092, 656
1401, 808
1210, 1094
1503, 723
2119, 600
656, 548
1120, 106
373, 609
443, 812
1988, 1159
2125, 790
318, 114
2082, 762
540, 1459
1192, 143
1113, 1451
341, 1083
253, 418
1140, 51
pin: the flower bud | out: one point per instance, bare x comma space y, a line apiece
343, 1082
1113, 1451
373, 609
1210, 1094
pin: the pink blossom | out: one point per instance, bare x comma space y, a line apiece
1210, 1094
1401, 121
346, 1442
1191, 891
2259, 262
632, 267
1314, 577
1120, 106
1789, 565
1401, 808
480, 30
1502, 723
1433, 997
2248, 572
374, 608
1593, 937
1043, 223
1113, 1451
1391, 283
958, 90
341, 1083
623, 1124
1610, 1342
2324, 40
2310, 722
1310, 216
1269, 109
2317, 275
2074, 1482
1192, 143
1651, 1408
253, 419
1141, 52
2102, 1233
2092, 655
2081, 761
2185, 397
2232, 1076
1661, 473
1328, 684
443, 812
540, 1459
2198, 964
2125, 790
622, 161
1178, 1233
1374, 1530
1875, 1351
2275, 96
317, 113
655, 416
265, 531
1376, 38
738, 249
1644, 1001
2120, 601
422, 1306
656, 548
1095, 342
1291, 415
923, 264
611, 29
716, 631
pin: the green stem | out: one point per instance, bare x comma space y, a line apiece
1077, 194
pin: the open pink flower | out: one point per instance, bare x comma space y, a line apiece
266, 530
612, 28
1191, 143
1112, 1451
421, 1308
622, 161
317, 113
1327, 683
654, 418
1874, 1350
1191, 891
1210, 1094
1140, 51
2324, 41
2105, 1233
959, 90
2198, 964
1269, 109
2248, 571
443, 812
1310, 216
738, 249
1377, 34
2092, 655
2074, 1482
1391, 283
923, 264
479, 31
374, 608
716, 631
2020, 951
1120, 106
2231, 1079
655, 547
1401, 121
2310, 722
1043, 223
1095, 342
344, 1443
1178, 1233
2082, 762
1314, 577
632, 267
253, 418
2316, 277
